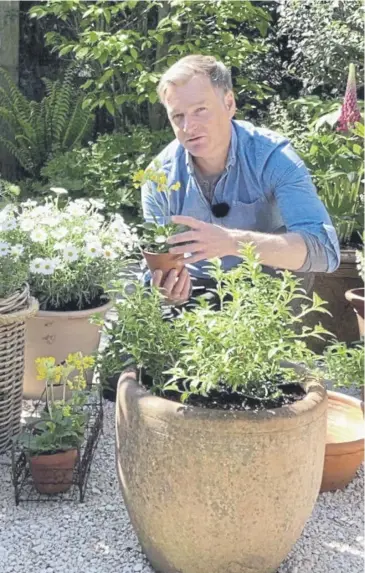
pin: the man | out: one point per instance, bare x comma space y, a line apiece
239, 184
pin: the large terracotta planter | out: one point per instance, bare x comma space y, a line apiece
345, 441
58, 334
53, 473
331, 287
211, 491
164, 262
357, 301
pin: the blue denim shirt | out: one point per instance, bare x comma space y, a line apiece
267, 186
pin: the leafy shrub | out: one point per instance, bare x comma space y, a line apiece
335, 159
125, 46
241, 346
38, 129
323, 37
105, 168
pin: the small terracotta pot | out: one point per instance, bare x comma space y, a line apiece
53, 473
356, 299
345, 441
164, 262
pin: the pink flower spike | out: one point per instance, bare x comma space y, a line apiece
350, 112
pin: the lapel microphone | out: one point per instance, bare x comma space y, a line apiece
220, 210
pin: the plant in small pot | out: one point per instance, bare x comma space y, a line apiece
217, 424
16, 306
73, 254
52, 440
344, 367
155, 235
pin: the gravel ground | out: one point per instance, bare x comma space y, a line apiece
96, 536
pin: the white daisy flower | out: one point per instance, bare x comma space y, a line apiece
27, 225
93, 225
93, 250
109, 253
36, 265
59, 246
17, 250
39, 235
50, 221
70, 253
78, 208
59, 233
48, 267
4, 248
40, 212
78, 231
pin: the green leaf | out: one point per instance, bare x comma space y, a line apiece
153, 97
134, 53
82, 53
66, 49
110, 107
93, 36
87, 84
105, 77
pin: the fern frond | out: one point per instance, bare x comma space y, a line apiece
20, 155
20, 102
78, 125
63, 104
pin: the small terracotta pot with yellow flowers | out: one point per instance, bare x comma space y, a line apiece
155, 234
52, 440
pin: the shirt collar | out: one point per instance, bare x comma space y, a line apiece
231, 157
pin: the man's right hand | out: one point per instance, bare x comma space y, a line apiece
176, 288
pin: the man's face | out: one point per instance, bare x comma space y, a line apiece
200, 116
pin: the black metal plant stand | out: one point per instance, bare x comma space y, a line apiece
24, 486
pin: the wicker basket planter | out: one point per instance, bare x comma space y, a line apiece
14, 311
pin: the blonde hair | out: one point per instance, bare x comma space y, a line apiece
189, 66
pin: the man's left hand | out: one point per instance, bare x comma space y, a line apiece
206, 241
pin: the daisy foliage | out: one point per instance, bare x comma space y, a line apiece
68, 253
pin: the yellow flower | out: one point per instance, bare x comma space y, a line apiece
44, 365
89, 362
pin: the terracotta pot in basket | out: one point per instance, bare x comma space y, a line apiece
345, 441
53, 473
164, 262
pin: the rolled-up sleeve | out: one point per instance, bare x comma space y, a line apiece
302, 210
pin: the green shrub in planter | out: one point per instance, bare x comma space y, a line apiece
237, 349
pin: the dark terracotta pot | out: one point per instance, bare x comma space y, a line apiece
357, 300
164, 262
345, 441
53, 473
331, 287
215, 491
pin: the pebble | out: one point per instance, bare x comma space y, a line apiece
97, 537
